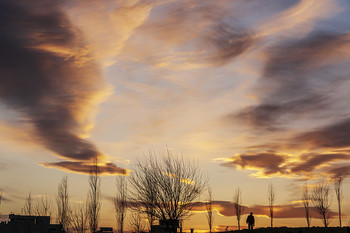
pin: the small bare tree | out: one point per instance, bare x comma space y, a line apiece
238, 207
120, 202
62, 200
94, 196
79, 218
0, 196
43, 206
136, 224
338, 181
272, 198
209, 207
28, 204
307, 203
167, 186
321, 202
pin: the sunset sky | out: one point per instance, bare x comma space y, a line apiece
254, 91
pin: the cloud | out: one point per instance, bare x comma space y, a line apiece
168, 37
49, 76
85, 168
269, 116
336, 135
311, 161
270, 163
226, 208
299, 107
302, 166
297, 81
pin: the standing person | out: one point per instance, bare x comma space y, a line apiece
250, 221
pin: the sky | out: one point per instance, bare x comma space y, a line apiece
253, 91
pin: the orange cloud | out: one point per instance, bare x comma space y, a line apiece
85, 168
305, 166
226, 208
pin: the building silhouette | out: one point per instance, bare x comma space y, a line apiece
29, 224
105, 230
166, 226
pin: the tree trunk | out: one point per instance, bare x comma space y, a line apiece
325, 220
339, 208
271, 221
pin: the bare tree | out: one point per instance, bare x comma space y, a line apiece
79, 218
94, 196
238, 207
0, 196
136, 224
307, 203
272, 198
338, 181
166, 185
321, 202
62, 200
120, 202
209, 207
43, 206
28, 204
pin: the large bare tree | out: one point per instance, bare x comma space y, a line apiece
338, 181
307, 204
94, 196
321, 201
272, 198
62, 200
166, 185
43, 205
238, 207
209, 207
28, 205
79, 218
120, 202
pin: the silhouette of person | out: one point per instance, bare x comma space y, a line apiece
250, 221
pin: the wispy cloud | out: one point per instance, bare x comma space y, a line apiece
297, 80
189, 34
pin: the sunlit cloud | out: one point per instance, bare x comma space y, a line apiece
105, 168
305, 166
226, 208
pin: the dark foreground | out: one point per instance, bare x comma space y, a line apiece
296, 230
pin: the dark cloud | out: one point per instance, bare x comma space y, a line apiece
270, 116
228, 42
344, 170
298, 79
270, 163
85, 168
336, 135
47, 75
